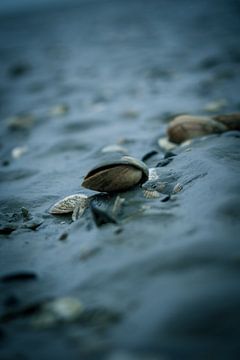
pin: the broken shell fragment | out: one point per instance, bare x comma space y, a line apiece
186, 127
117, 175
151, 194
231, 121
69, 203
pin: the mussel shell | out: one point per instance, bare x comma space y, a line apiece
118, 175
186, 127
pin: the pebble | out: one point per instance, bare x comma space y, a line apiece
65, 309
59, 110
21, 122
215, 106
63, 236
114, 148
19, 151
18, 276
166, 144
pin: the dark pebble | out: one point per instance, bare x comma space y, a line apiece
18, 276
166, 198
63, 237
18, 70
33, 225
101, 217
25, 213
149, 155
169, 154
164, 162
118, 231
5, 163
7, 229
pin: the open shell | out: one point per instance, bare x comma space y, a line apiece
186, 127
118, 175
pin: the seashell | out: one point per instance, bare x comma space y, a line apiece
177, 188
186, 127
231, 121
19, 151
69, 203
165, 144
114, 148
117, 206
151, 194
117, 175
154, 185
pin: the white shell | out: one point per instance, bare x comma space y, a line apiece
177, 188
114, 148
151, 194
165, 144
69, 203
153, 174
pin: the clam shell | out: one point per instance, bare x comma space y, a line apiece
69, 203
231, 121
186, 127
117, 175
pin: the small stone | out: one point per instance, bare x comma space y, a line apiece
101, 217
21, 122
66, 309
19, 151
25, 213
166, 198
7, 229
33, 224
149, 155
165, 144
18, 276
114, 148
59, 110
164, 162
215, 106
18, 70
63, 236
86, 253
130, 114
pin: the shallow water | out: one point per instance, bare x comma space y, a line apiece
164, 281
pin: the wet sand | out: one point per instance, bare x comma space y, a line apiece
164, 281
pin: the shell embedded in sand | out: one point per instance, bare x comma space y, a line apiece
151, 194
186, 127
69, 203
118, 175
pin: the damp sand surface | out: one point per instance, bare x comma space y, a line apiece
162, 282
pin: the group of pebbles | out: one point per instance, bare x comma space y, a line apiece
120, 175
